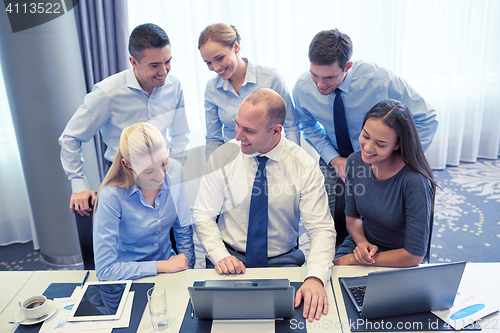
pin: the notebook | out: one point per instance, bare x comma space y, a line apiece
404, 291
242, 299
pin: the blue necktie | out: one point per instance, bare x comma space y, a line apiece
341, 131
256, 251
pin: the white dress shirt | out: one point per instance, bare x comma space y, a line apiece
295, 191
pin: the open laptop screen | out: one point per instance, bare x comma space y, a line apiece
407, 291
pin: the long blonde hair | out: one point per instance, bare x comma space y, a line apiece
136, 141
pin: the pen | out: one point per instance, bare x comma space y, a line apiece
192, 308
85, 279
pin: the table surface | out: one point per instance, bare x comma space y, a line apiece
177, 293
480, 278
10, 284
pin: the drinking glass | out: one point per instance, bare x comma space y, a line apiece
157, 301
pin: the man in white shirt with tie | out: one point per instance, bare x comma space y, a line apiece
293, 190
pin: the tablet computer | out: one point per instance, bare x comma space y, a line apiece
101, 300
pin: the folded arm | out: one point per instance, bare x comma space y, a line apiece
366, 253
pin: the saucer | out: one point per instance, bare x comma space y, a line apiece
20, 316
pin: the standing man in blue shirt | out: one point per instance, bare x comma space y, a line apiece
143, 93
334, 80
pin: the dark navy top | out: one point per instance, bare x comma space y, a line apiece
395, 211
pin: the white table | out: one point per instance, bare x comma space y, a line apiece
177, 294
36, 283
10, 284
178, 297
483, 279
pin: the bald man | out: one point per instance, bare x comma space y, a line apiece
294, 189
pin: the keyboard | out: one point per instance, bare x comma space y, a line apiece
359, 294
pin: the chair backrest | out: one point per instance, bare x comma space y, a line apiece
427, 256
84, 225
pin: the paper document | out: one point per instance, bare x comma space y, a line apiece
243, 326
467, 309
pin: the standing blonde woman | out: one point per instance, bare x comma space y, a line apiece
237, 77
139, 201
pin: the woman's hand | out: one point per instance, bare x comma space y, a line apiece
348, 259
363, 253
173, 264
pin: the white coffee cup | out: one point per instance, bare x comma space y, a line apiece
34, 307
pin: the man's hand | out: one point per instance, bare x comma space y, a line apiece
315, 299
80, 202
230, 265
339, 163
173, 264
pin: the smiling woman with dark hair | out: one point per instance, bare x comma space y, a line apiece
389, 192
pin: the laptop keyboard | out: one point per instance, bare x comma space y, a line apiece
359, 294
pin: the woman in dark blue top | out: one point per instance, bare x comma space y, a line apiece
389, 192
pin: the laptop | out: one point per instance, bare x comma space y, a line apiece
404, 291
242, 299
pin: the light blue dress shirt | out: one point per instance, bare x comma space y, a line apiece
365, 85
222, 104
130, 235
114, 104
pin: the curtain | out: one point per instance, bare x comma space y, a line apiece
103, 33
448, 50
16, 220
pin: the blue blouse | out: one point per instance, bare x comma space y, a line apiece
130, 235
222, 104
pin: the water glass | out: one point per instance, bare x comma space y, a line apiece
157, 301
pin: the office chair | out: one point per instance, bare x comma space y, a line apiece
84, 225
339, 215
427, 256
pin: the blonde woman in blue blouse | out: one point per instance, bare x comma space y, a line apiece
139, 201
237, 77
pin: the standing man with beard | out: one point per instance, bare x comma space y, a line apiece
332, 99
144, 93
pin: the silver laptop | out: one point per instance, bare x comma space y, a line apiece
243, 299
405, 291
